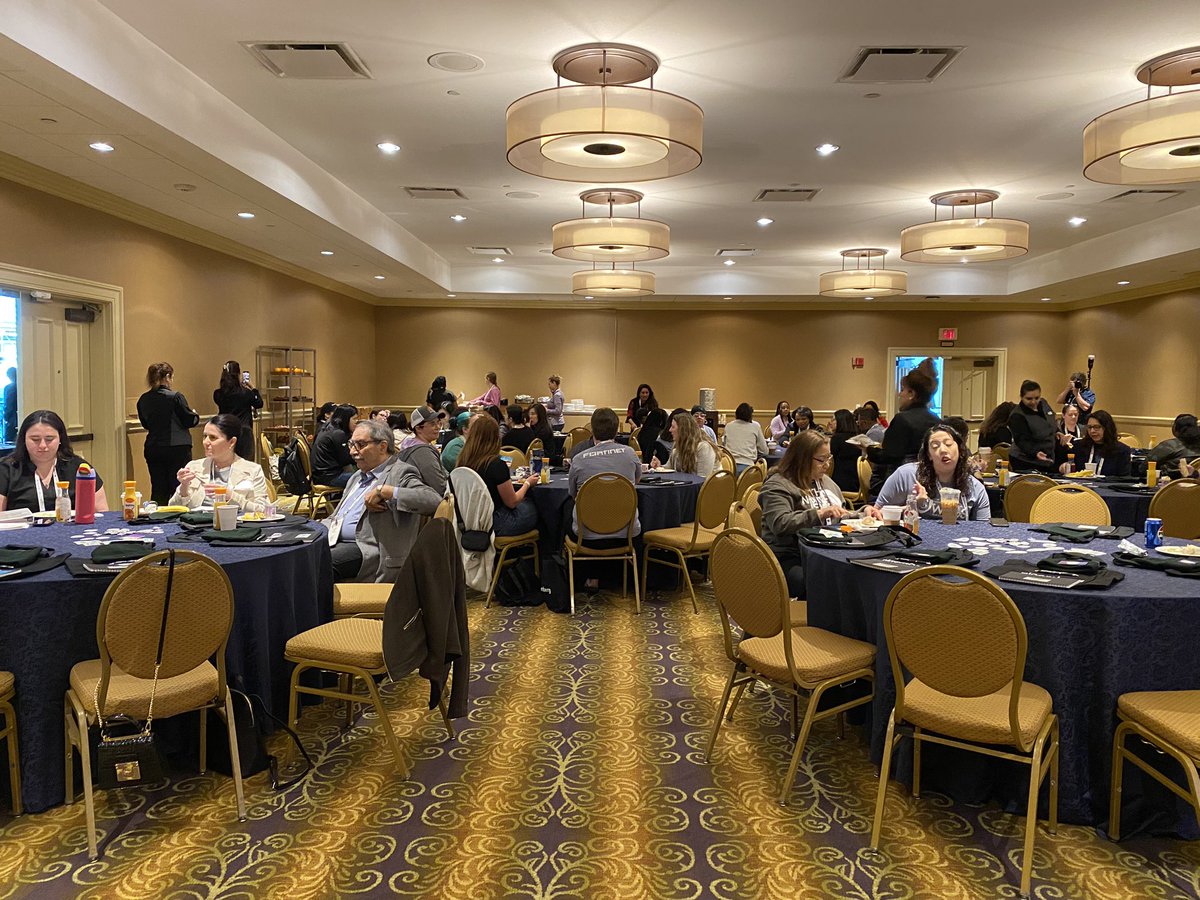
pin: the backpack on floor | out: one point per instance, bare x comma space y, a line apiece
291, 469
556, 592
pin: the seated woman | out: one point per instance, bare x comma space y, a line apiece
744, 439
1182, 446
693, 452
331, 462
650, 437
42, 456
994, 429
942, 462
802, 421
519, 434
222, 466
800, 494
398, 422
455, 444
783, 419
513, 514
1101, 448
845, 456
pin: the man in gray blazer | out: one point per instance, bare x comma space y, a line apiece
374, 527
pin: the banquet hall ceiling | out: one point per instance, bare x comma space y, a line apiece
169, 85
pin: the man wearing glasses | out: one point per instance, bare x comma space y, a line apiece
376, 524
420, 448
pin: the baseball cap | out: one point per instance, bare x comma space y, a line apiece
698, 409
462, 418
423, 414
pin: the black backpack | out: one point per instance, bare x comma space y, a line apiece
291, 469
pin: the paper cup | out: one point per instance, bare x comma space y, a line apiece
892, 514
225, 516
1090, 468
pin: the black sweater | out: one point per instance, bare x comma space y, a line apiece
1032, 432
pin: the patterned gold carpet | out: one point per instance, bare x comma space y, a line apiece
578, 774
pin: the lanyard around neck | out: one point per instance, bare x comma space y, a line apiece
38, 485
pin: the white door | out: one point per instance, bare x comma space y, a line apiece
967, 390
56, 358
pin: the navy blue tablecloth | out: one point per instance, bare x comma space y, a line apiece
1125, 508
1086, 648
48, 623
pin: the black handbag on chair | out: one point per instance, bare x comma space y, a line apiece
131, 760
474, 541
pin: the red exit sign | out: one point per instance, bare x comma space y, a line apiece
948, 334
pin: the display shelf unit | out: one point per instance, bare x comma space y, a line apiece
287, 379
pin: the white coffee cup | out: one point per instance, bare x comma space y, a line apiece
1090, 468
225, 516
892, 514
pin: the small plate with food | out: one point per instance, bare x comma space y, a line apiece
261, 517
1189, 550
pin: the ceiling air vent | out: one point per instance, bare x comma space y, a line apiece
737, 251
490, 251
786, 195
1141, 197
898, 65
435, 193
289, 59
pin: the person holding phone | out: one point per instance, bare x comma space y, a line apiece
236, 396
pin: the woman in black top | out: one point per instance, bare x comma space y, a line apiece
648, 438
440, 398
42, 456
238, 397
166, 416
1183, 444
994, 429
906, 432
332, 464
1034, 432
539, 424
845, 456
511, 514
1101, 447
519, 434
641, 404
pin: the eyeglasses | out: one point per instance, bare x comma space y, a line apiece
823, 459
361, 445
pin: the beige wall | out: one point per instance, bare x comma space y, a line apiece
186, 304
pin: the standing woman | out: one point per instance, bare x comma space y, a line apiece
236, 396
438, 396
512, 513
222, 465
42, 456
166, 416
555, 407
783, 418
904, 436
651, 435
641, 404
490, 397
692, 452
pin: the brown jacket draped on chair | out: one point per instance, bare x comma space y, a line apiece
425, 623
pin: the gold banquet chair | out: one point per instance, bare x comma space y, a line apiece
1000, 452
1021, 493
1070, 503
751, 590
317, 495
1169, 721
751, 475
518, 457
750, 501
725, 460
9, 734
606, 504
506, 545
1178, 505
1129, 440
741, 517
964, 642
120, 681
694, 539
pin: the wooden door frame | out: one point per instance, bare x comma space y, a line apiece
1000, 354
107, 354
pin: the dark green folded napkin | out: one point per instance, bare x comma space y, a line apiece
166, 516
119, 551
243, 534
19, 557
818, 536
197, 518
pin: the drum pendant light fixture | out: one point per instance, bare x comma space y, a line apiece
864, 280
1153, 141
601, 129
974, 239
611, 281
615, 238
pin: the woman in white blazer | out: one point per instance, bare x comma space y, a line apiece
221, 465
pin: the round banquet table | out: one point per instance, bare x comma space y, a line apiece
1086, 648
48, 623
1124, 507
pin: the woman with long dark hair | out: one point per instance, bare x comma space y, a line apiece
236, 396
905, 435
1183, 444
167, 418
1101, 448
783, 420
650, 437
845, 455
942, 462
42, 456
539, 423
512, 514
332, 464
221, 465
994, 429
439, 397
643, 401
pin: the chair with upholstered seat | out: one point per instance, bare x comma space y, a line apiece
1170, 722
634, 445
122, 680
534, 446
517, 455
750, 475
606, 504
963, 641
510, 545
1075, 504
725, 460
1178, 505
9, 734
751, 591
317, 495
750, 501
694, 539
1000, 452
579, 434
1129, 439
1020, 494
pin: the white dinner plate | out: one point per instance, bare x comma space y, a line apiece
1189, 550
275, 518
660, 469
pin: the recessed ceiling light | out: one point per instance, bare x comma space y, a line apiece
452, 296
1076, 221
827, 149
327, 253
588, 297
184, 187
245, 215
870, 298
726, 298
1122, 283
458, 217
764, 221
388, 147
1045, 299
731, 262
101, 147
497, 259
380, 277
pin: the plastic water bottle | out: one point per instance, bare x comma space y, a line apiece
911, 517
62, 502
85, 495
